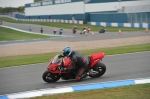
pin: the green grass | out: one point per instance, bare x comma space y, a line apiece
9, 34
127, 92
69, 26
40, 58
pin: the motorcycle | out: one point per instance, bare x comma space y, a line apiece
103, 30
53, 73
60, 31
74, 31
83, 31
54, 31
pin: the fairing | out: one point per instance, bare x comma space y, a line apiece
96, 57
56, 62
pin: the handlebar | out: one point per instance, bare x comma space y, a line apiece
60, 56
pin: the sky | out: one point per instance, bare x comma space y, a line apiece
14, 3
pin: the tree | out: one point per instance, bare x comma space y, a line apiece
1, 9
6, 10
11, 9
21, 9
37, 0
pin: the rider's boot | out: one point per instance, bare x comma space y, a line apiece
85, 75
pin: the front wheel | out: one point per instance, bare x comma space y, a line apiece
98, 70
49, 77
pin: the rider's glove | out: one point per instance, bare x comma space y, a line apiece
60, 56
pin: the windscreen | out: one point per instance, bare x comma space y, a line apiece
56, 60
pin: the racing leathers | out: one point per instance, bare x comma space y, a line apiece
81, 61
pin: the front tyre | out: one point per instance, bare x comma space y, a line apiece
49, 77
98, 70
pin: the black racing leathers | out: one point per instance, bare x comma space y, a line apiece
78, 60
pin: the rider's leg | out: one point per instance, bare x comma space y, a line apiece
80, 74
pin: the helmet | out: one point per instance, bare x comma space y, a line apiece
67, 51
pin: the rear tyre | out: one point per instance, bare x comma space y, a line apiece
49, 77
98, 70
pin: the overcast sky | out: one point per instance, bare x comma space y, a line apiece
14, 3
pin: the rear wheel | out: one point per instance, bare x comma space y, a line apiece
49, 77
98, 70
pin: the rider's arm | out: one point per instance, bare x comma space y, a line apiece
73, 60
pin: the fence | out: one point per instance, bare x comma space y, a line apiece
143, 17
46, 20
139, 17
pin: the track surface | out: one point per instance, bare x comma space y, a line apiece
119, 67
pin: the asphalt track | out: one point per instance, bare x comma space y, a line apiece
119, 67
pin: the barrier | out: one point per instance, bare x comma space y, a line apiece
134, 25
44, 20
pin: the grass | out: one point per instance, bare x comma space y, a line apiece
40, 58
69, 26
126, 92
9, 34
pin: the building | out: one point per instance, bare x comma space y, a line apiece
121, 11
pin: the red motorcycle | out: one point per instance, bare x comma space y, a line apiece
53, 73
54, 31
74, 31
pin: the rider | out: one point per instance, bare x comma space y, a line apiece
60, 31
74, 27
77, 59
103, 29
83, 30
88, 29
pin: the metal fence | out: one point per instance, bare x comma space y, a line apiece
139, 17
